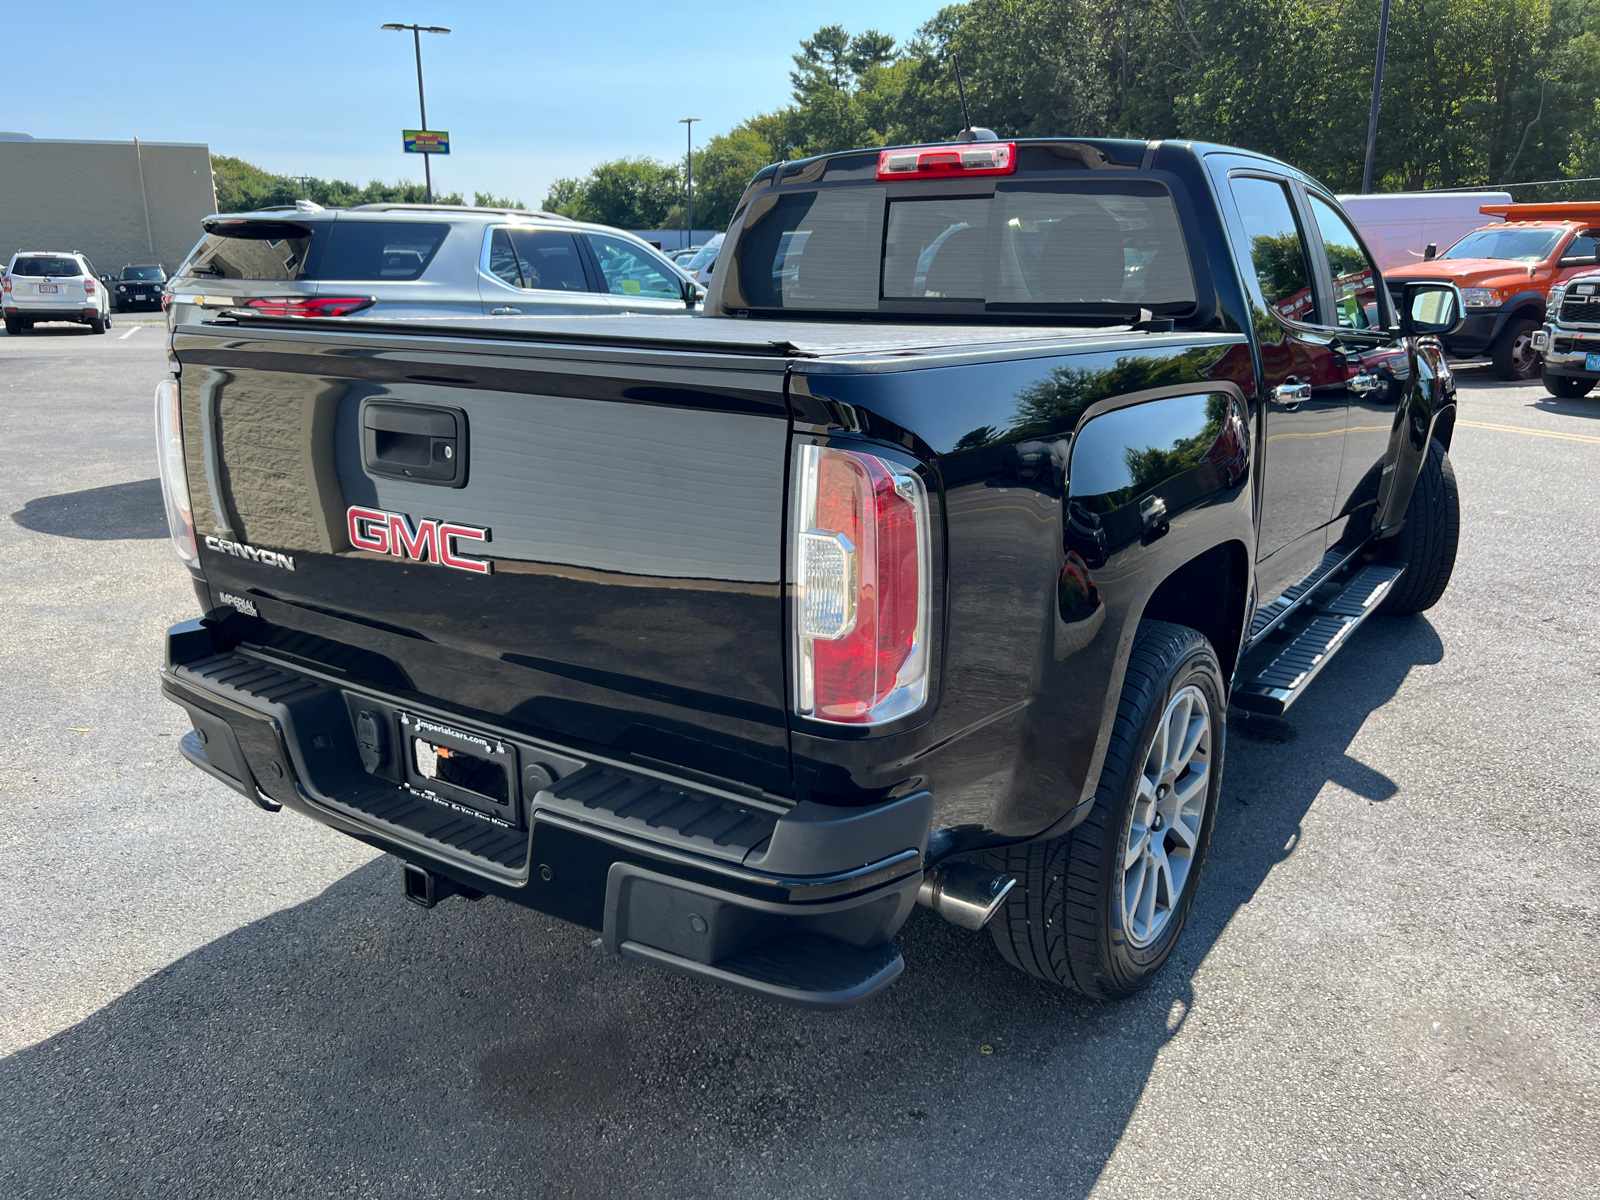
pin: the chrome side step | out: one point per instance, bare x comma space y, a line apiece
1285, 678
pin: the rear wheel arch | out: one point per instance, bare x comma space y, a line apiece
1207, 593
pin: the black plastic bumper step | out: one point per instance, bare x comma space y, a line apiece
1298, 661
810, 970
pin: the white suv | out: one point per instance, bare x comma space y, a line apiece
45, 285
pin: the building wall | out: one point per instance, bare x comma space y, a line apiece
79, 195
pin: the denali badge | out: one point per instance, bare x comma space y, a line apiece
269, 558
429, 540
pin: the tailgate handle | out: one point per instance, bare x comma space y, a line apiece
422, 443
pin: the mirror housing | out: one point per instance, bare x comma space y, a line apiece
1430, 252
1431, 309
105, 279
1579, 260
693, 293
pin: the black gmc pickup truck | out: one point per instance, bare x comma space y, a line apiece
922, 566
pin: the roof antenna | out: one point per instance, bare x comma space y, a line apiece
968, 133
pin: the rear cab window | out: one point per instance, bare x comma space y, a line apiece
1063, 242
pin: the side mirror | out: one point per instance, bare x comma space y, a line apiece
1431, 309
1430, 252
105, 279
692, 292
1579, 260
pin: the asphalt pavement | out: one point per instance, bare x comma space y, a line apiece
1388, 986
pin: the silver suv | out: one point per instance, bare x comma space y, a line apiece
53, 285
421, 261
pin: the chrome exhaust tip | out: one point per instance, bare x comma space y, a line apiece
964, 893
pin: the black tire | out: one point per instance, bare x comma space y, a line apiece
1567, 387
1063, 921
1426, 543
1513, 353
13, 327
97, 324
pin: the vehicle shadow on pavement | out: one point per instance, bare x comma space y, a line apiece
356, 1043
1589, 406
102, 514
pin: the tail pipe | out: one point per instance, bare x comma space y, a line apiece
964, 893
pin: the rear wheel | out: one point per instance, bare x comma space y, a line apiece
1566, 387
97, 324
13, 326
1100, 909
1426, 543
1513, 353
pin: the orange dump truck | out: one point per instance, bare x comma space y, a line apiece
1505, 272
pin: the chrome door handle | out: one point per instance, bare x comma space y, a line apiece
1364, 383
1290, 395
505, 312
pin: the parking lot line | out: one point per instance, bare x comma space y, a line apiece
1549, 433
129, 334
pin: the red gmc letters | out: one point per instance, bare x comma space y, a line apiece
430, 540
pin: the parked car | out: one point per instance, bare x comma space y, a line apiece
137, 287
1568, 344
1506, 271
887, 581
1400, 226
704, 260
391, 261
52, 285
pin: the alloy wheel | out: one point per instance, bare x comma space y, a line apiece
1163, 832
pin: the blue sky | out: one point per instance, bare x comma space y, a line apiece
528, 92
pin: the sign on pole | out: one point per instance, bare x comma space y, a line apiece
426, 141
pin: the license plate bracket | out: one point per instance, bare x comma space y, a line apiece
477, 772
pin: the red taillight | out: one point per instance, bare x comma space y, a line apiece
88, 286
860, 557
952, 158
166, 299
5, 283
308, 306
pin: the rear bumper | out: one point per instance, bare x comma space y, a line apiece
795, 902
33, 313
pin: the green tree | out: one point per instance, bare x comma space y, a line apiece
629, 193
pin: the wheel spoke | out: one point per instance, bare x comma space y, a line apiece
1191, 789
1179, 829
1191, 740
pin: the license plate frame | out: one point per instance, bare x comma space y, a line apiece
1591, 362
445, 784
48, 288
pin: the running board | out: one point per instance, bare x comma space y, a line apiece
1284, 680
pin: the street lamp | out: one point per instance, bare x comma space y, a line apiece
416, 36
688, 191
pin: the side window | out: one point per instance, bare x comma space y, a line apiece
629, 271
548, 259
1583, 246
1357, 301
1276, 249
503, 259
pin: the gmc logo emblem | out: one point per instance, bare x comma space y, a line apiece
429, 540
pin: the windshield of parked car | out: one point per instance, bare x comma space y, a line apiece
1517, 245
1041, 246
155, 273
38, 267
705, 254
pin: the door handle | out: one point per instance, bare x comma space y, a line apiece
1290, 395
1364, 383
422, 443
505, 312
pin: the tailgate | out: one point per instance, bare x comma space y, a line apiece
584, 544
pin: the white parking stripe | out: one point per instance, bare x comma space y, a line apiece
129, 334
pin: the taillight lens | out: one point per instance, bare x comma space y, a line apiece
308, 306
860, 567
88, 286
949, 158
174, 476
5, 283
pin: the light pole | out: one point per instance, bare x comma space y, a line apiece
416, 36
688, 191
1377, 91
